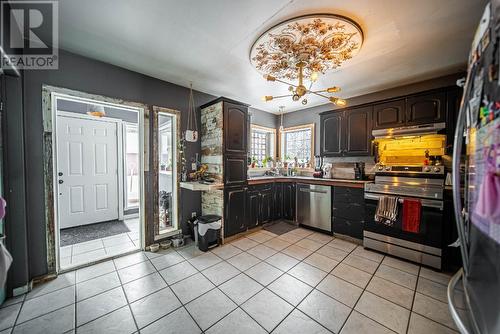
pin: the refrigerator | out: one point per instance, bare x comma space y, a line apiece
476, 184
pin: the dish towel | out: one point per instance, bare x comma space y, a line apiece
412, 210
387, 210
5, 262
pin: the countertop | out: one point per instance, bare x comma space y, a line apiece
308, 179
198, 186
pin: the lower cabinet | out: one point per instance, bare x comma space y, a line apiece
348, 211
260, 204
278, 201
235, 219
289, 201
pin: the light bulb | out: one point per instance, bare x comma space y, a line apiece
314, 76
333, 89
341, 102
266, 98
295, 97
304, 101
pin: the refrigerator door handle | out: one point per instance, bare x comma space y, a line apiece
457, 152
451, 306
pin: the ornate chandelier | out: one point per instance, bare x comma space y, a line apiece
304, 47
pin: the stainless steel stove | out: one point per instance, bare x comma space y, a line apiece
425, 183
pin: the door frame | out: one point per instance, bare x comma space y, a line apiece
119, 146
49, 96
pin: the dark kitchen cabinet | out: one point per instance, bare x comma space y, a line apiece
235, 220
289, 201
389, 114
235, 128
453, 98
346, 132
278, 201
260, 204
266, 206
348, 211
426, 108
331, 134
235, 170
253, 207
358, 125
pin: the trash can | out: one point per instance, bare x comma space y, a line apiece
207, 230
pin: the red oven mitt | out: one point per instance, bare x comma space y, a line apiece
412, 211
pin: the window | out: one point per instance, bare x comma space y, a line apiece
298, 142
131, 148
262, 142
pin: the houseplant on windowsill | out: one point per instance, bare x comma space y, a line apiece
268, 162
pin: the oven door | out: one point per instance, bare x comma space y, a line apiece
431, 222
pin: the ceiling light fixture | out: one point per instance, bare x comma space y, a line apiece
303, 48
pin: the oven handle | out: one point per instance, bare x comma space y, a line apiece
425, 202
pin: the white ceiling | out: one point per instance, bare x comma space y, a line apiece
208, 42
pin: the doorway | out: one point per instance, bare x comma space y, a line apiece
97, 182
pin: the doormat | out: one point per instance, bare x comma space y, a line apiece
280, 227
75, 235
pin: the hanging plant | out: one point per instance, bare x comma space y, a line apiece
192, 123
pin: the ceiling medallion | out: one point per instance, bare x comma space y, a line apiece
304, 47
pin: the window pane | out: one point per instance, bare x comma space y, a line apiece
297, 144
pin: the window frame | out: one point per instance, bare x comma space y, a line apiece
272, 141
302, 127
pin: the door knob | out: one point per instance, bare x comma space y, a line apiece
61, 181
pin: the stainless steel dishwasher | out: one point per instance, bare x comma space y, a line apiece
314, 206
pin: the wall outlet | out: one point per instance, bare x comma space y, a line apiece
193, 214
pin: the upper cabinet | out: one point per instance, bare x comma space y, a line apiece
331, 133
358, 125
389, 114
235, 128
346, 132
426, 108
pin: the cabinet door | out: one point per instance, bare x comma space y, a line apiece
331, 134
453, 97
278, 201
235, 170
389, 114
253, 208
266, 206
348, 227
289, 201
426, 108
358, 123
235, 128
235, 209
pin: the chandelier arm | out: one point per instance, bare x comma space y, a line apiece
318, 93
286, 83
281, 96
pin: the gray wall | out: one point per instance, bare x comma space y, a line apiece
263, 118
95, 77
311, 115
82, 108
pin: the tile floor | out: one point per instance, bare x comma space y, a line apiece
257, 284
95, 250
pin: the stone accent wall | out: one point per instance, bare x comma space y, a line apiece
212, 202
211, 140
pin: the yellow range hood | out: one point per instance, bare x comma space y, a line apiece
416, 130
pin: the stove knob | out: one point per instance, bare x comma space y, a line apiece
380, 168
427, 169
437, 169
388, 169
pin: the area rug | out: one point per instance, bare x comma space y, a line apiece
75, 235
279, 227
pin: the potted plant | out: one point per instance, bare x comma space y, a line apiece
254, 162
264, 162
269, 162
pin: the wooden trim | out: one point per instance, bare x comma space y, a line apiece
295, 128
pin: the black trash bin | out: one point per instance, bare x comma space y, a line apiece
209, 226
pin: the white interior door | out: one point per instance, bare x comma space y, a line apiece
87, 171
